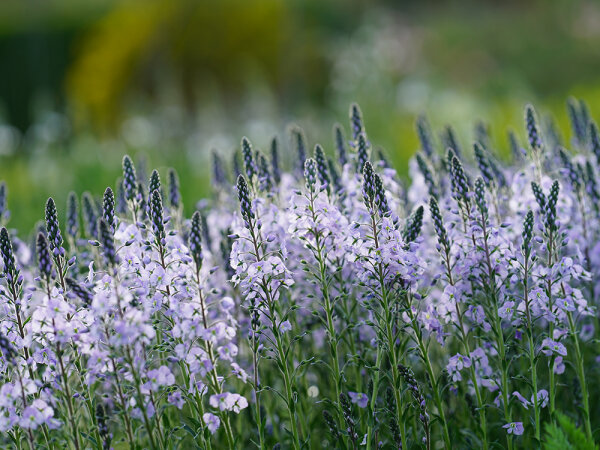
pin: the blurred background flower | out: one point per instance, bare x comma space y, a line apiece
171, 80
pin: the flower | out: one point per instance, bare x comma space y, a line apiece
550, 347
228, 402
515, 428
160, 377
359, 398
212, 422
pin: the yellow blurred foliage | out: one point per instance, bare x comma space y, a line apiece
140, 41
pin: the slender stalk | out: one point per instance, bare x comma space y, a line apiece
530, 337
281, 354
579, 368
498, 328
327, 306
464, 338
389, 335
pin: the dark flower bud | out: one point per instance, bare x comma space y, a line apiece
80, 291
425, 137
413, 225
533, 129
264, 176
380, 197
121, 200
3, 209
310, 174
340, 144
591, 184
480, 198
174, 194
450, 141
7, 349
356, 121
195, 239
53, 229
368, 185
90, 216
275, 160
43, 256
595, 141
483, 164
156, 209
363, 150
129, 179
72, 215
515, 148
225, 246
482, 133
427, 175
107, 239
578, 117
572, 173
322, 168
460, 183
299, 143
550, 219
438, 223
539, 195
8, 257
418, 399
247, 153
141, 200
218, 172
154, 183
332, 426
348, 415
383, 162
103, 429
108, 208
244, 198
335, 177
527, 231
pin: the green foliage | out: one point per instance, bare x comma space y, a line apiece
565, 435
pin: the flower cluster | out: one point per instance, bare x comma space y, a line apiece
331, 305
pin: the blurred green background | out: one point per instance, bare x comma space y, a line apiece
83, 82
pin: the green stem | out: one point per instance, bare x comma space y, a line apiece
579, 367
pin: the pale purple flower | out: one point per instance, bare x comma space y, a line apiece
359, 398
523, 400
507, 310
515, 428
228, 401
212, 422
160, 377
542, 397
285, 326
550, 347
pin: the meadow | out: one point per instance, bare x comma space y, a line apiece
321, 302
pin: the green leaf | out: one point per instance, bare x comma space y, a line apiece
564, 435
